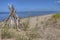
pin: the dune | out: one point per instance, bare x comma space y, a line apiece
39, 28
47, 30
36, 20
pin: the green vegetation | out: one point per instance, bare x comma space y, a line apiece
26, 25
5, 32
56, 16
10, 32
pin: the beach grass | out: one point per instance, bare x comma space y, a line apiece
56, 16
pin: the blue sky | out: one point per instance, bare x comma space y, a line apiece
30, 5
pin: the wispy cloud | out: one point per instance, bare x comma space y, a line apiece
58, 1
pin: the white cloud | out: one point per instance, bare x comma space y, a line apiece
58, 1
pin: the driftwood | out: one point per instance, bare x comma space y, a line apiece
13, 20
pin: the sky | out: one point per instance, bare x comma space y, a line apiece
30, 5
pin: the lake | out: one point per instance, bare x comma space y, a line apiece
4, 15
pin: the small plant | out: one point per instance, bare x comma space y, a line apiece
26, 25
20, 37
5, 33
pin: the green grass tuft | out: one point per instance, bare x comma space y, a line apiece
56, 16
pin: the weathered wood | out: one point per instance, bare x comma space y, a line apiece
13, 19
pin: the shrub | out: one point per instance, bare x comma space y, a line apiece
26, 25
56, 16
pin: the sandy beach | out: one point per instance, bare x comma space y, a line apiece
37, 20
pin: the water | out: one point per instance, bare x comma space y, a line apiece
4, 15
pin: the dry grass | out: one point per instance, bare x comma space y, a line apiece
43, 31
11, 33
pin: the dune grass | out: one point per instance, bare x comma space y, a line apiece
9, 33
56, 16
26, 24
